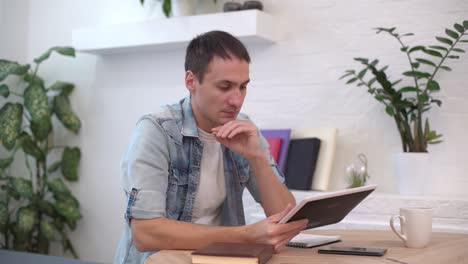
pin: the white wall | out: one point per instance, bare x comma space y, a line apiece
14, 29
298, 76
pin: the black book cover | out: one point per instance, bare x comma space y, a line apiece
301, 162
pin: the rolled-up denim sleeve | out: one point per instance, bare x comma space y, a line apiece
251, 184
144, 171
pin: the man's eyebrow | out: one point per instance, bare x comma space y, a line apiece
230, 82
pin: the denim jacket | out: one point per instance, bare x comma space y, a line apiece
160, 172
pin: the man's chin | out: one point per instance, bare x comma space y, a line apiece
224, 120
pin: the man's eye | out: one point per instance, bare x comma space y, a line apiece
243, 87
224, 87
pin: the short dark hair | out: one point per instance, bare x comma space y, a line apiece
201, 50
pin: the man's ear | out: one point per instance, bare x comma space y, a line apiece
190, 80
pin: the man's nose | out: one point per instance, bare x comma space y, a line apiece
236, 98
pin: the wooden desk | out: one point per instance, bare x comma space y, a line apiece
444, 248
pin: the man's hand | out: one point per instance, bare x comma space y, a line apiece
240, 136
268, 231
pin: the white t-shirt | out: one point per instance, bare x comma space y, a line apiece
211, 191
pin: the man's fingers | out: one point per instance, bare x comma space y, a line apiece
237, 130
291, 227
228, 130
276, 217
225, 130
279, 246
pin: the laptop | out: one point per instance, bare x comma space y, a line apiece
328, 208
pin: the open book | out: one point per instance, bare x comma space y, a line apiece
328, 208
310, 240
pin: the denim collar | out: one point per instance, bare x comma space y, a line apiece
189, 125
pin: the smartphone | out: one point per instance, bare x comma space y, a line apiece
353, 251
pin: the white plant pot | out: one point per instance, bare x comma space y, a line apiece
183, 7
413, 173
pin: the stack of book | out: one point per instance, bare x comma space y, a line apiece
233, 253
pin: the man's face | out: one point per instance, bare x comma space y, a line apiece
219, 98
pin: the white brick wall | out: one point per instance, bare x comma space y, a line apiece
298, 75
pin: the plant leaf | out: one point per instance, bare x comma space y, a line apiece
33, 80
351, 80
11, 67
407, 34
57, 186
30, 147
70, 161
345, 75
166, 7
416, 48
362, 60
67, 209
47, 229
445, 40
4, 163
438, 48
459, 28
424, 61
451, 33
37, 104
362, 73
11, 118
390, 110
446, 68
66, 51
46, 207
417, 74
437, 101
3, 216
409, 89
423, 98
4, 90
396, 82
458, 50
65, 88
55, 166
27, 218
433, 53
433, 86
65, 114
465, 24
22, 186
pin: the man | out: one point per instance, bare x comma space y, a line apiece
186, 167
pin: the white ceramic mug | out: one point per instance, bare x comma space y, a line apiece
415, 225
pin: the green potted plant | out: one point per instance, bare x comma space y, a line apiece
409, 104
36, 207
177, 7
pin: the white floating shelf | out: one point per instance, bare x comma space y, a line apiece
250, 26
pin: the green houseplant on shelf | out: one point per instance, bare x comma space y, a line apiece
407, 105
176, 7
36, 207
